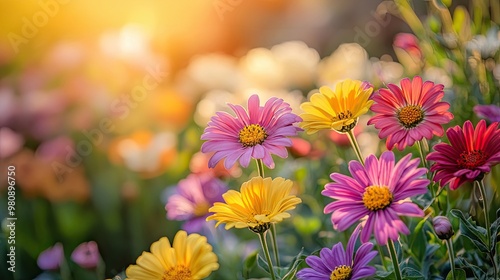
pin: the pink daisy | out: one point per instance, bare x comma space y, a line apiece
258, 133
410, 113
378, 194
470, 154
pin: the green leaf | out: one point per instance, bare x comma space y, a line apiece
475, 233
292, 268
262, 263
385, 275
459, 275
249, 264
494, 230
478, 272
411, 273
418, 242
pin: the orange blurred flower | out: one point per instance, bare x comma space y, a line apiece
36, 177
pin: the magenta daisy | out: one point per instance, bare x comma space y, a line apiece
470, 154
194, 196
258, 133
410, 113
378, 194
338, 264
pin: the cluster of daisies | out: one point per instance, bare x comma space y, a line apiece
372, 198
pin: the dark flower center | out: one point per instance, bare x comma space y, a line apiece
346, 116
261, 228
410, 116
252, 135
471, 159
377, 197
342, 272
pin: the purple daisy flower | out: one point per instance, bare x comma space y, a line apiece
339, 264
195, 195
258, 133
489, 112
378, 194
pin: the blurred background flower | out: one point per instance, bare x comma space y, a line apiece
101, 113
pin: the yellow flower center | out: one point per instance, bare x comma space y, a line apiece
342, 272
179, 272
252, 135
377, 197
201, 209
347, 115
411, 115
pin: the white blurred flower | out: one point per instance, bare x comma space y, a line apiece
298, 63
146, 157
214, 101
213, 71
131, 43
386, 70
348, 61
262, 69
487, 45
438, 76
288, 65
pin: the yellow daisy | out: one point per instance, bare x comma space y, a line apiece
262, 201
190, 257
339, 109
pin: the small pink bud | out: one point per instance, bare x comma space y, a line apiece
86, 255
443, 227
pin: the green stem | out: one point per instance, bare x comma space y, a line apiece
485, 210
260, 167
394, 258
381, 253
275, 244
451, 254
65, 271
482, 190
260, 171
420, 146
355, 146
263, 242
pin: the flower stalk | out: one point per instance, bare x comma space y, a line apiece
260, 171
451, 254
394, 258
482, 190
355, 146
263, 243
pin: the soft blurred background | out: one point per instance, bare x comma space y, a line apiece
102, 104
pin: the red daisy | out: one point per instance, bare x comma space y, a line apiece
410, 113
470, 154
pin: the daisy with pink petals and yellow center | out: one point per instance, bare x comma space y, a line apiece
410, 113
377, 193
258, 133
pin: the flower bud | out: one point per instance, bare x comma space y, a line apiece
51, 258
86, 255
443, 227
